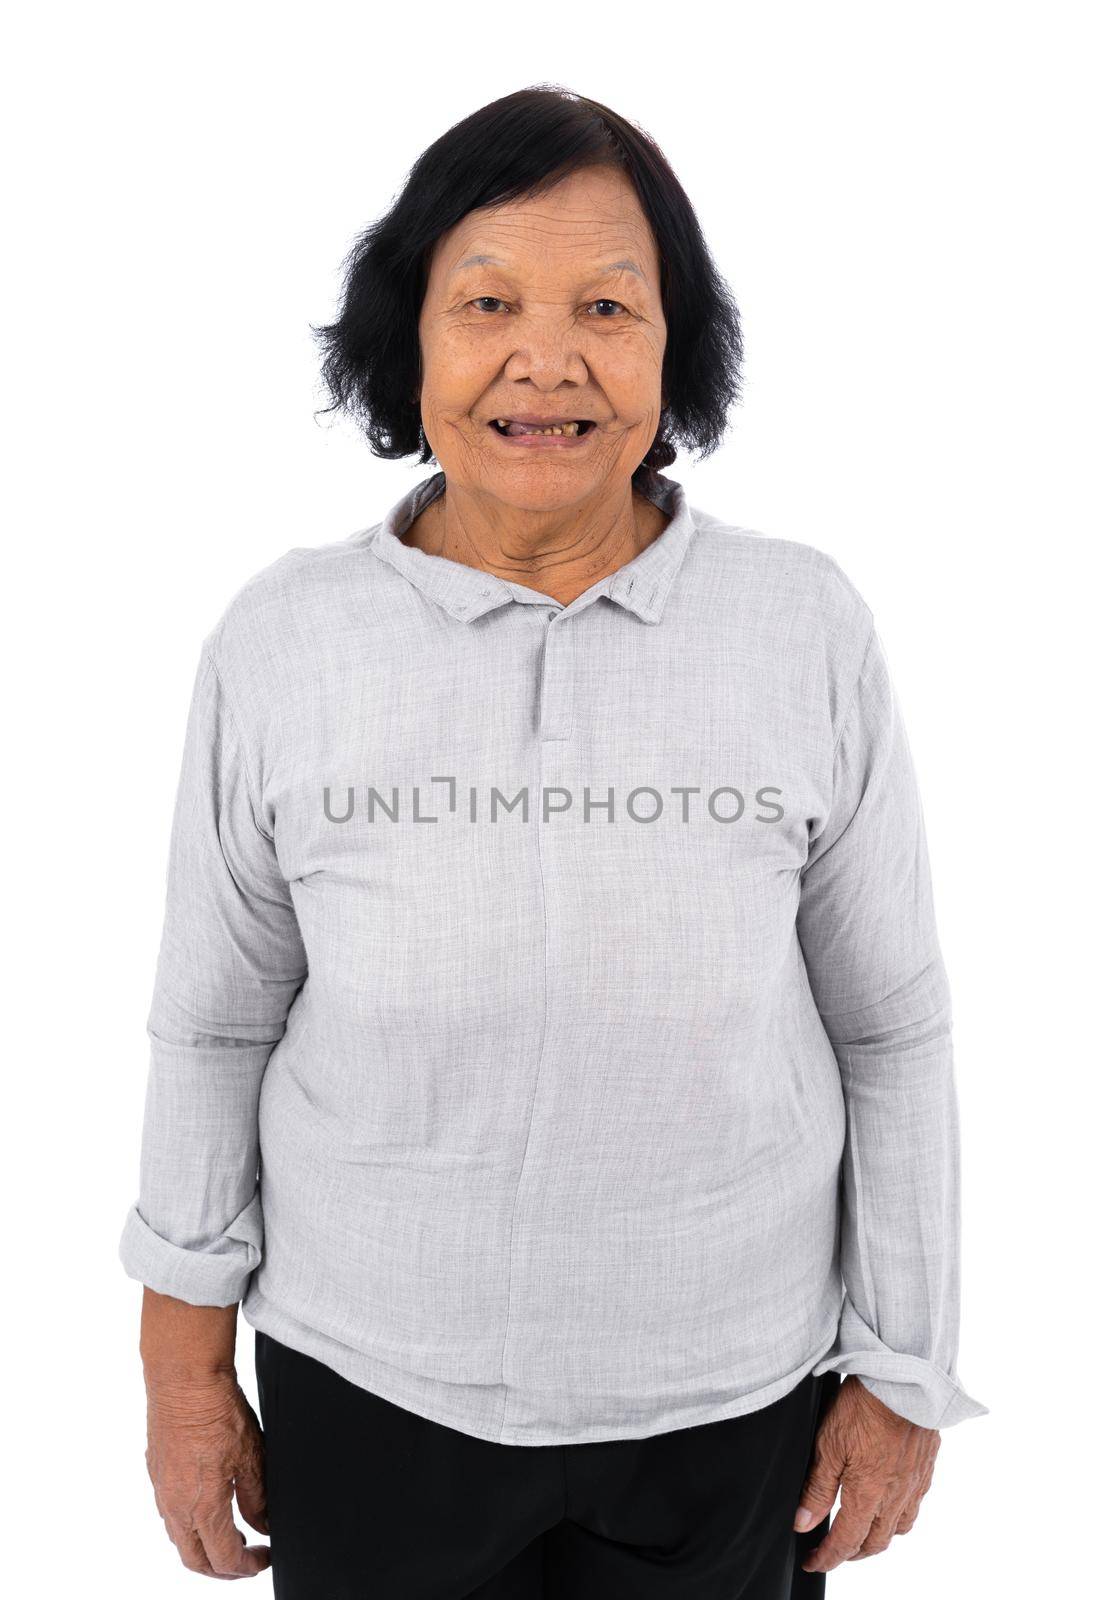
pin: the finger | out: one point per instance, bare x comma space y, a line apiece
251, 1492
906, 1520
241, 1560
847, 1534
225, 1547
910, 1509
818, 1494
190, 1547
881, 1532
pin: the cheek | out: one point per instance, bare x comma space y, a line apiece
457, 369
630, 375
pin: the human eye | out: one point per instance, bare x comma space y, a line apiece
617, 303
481, 297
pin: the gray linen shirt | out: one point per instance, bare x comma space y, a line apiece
550, 1031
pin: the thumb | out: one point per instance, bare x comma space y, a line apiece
818, 1495
252, 1498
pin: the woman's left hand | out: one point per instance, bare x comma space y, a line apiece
884, 1463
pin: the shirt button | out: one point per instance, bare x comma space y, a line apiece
555, 612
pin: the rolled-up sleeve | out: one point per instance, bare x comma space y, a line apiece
230, 964
866, 925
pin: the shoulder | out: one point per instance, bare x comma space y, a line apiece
286, 602
796, 584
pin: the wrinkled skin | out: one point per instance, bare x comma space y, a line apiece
204, 1442
884, 1463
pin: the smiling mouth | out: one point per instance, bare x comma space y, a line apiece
573, 428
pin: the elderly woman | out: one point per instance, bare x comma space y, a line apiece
550, 1040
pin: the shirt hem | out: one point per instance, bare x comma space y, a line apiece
421, 1395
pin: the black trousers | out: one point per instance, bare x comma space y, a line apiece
368, 1501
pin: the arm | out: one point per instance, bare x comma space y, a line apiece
231, 962
866, 925
180, 1342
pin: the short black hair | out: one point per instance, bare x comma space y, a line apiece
516, 147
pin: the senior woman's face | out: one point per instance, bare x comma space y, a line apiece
559, 318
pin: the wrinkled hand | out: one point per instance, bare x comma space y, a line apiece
205, 1441
885, 1464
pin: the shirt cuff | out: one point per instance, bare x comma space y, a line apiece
910, 1385
216, 1275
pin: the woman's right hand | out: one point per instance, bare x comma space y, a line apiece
205, 1442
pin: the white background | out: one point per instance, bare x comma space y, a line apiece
901, 199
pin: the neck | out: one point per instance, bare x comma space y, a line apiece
560, 553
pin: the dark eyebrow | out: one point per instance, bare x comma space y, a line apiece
625, 265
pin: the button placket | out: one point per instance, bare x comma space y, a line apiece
555, 708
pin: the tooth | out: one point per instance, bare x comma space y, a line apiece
569, 429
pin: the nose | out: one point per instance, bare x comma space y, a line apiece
547, 352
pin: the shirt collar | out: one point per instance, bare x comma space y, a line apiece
641, 585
